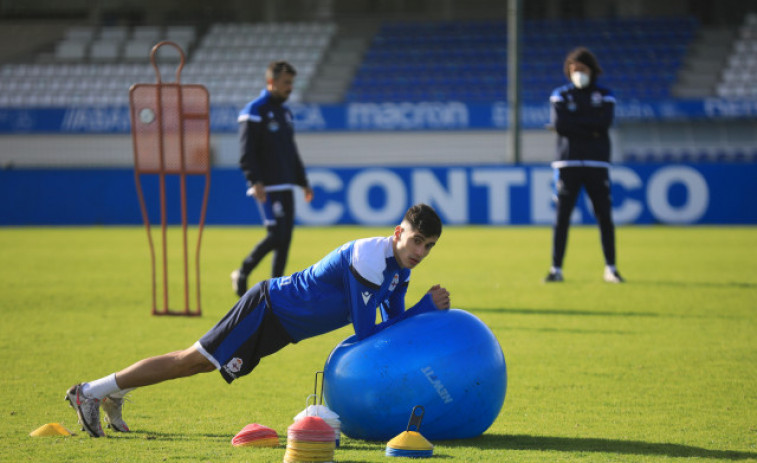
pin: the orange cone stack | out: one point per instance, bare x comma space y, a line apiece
310, 439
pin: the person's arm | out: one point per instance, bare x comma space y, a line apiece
302, 179
582, 122
362, 301
393, 311
250, 161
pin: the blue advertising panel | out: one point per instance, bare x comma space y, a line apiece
487, 195
398, 116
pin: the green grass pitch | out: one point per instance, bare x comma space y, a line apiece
662, 368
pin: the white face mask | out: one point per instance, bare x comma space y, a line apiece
580, 79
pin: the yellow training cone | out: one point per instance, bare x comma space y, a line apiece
51, 429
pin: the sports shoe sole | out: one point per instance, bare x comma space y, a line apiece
72, 396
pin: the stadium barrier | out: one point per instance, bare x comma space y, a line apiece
446, 115
684, 194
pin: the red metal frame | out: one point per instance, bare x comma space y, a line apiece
149, 142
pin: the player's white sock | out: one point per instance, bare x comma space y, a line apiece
610, 268
99, 388
557, 270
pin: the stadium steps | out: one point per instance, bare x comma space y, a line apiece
340, 63
702, 67
20, 40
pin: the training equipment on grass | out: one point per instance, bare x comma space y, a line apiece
309, 440
448, 361
320, 410
410, 443
170, 127
51, 429
256, 435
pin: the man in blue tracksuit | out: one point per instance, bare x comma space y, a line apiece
581, 114
347, 286
272, 167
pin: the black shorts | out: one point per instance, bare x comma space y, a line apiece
249, 332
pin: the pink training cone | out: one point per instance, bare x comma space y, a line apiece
256, 435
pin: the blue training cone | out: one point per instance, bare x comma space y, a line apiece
411, 443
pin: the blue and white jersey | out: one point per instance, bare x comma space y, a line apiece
348, 285
269, 153
582, 118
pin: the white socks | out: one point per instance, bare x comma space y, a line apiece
99, 388
556, 270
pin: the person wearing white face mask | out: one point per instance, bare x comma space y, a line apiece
581, 114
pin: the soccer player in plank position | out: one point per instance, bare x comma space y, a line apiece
346, 286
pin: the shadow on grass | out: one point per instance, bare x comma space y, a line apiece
697, 284
586, 313
170, 436
599, 445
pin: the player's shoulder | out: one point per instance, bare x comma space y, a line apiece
252, 111
369, 256
558, 94
606, 93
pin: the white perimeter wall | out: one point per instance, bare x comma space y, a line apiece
324, 149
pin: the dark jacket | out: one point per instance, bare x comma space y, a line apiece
582, 119
268, 151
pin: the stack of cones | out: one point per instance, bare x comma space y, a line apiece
256, 435
410, 443
310, 439
322, 411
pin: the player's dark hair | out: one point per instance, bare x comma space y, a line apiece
424, 219
276, 68
584, 56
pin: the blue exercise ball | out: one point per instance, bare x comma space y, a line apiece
448, 361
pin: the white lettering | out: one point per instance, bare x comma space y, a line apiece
498, 183
437, 384
629, 210
105, 119
697, 200
358, 196
407, 116
332, 211
542, 206
452, 203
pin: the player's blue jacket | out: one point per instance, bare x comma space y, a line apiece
348, 285
582, 118
268, 150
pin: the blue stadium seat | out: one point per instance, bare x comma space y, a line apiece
641, 57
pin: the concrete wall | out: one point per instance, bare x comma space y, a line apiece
317, 149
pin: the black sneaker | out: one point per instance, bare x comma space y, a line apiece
239, 282
553, 277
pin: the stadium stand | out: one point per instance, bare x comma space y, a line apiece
739, 78
466, 61
97, 66
243, 51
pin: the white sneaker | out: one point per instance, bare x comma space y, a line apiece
238, 283
112, 407
613, 276
87, 409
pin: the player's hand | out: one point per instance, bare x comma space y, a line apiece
258, 192
308, 193
440, 297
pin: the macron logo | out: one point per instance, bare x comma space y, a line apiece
366, 297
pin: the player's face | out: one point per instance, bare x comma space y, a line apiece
410, 246
282, 86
